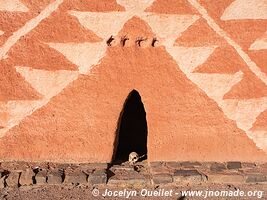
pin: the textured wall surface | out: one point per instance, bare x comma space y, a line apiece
203, 82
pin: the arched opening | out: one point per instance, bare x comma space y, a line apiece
131, 132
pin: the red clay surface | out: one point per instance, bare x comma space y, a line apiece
63, 129
223, 60
92, 5
199, 34
13, 86
260, 123
171, 7
33, 55
79, 124
51, 29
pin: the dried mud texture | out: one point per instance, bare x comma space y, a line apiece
66, 128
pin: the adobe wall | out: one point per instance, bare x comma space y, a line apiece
67, 70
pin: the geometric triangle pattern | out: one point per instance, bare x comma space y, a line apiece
118, 75
209, 61
84, 55
260, 43
190, 58
248, 88
260, 123
223, 60
244, 112
13, 86
174, 25
15, 111
102, 23
216, 85
53, 24
33, 56
48, 83
199, 34
245, 9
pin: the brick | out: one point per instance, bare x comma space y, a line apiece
26, 177
75, 178
173, 165
128, 180
226, 178
12, 179
190, 164
217, 167
89, 168
188, 176
161, 170
263, 165
233, 165
41, 177
256, 178
255, 170
122, 167
162, 178
156, 164
54, 177
98, 177
248, 165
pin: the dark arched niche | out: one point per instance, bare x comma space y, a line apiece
131, 134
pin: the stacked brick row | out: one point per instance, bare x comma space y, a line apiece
178, 173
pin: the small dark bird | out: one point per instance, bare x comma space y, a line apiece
139, 40
110, 39
123, 40
154, 42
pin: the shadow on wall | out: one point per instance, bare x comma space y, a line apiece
131, 133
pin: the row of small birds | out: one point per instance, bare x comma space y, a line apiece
138, 41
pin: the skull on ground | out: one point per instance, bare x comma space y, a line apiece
133, 158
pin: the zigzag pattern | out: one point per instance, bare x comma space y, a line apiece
203, 53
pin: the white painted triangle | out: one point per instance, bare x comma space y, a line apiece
19, 109
102, 24
260, 43
1, 32
84, 55
260, 138
47, 83
13, 6
169, 27
216, 85
135, 5
188, 58
244, 112
246, 9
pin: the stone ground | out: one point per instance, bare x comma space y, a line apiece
21, 180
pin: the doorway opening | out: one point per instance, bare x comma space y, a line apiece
131, 134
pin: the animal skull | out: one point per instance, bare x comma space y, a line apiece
133, 158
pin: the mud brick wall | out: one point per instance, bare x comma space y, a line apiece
20, 174
68, 66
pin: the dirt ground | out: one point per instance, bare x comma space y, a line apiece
85, 192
